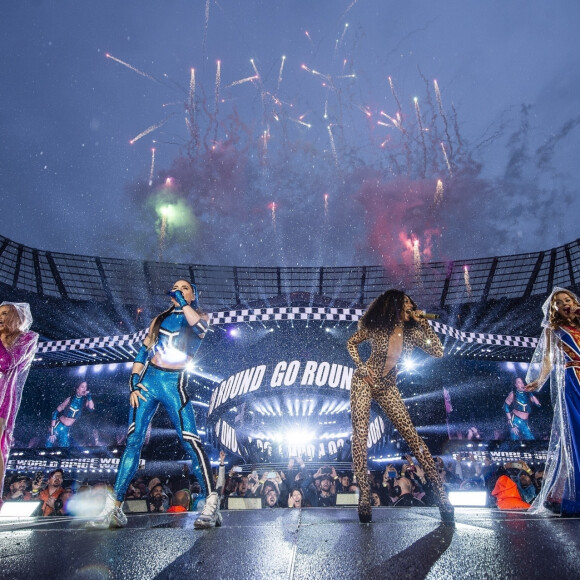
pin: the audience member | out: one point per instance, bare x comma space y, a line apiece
18, 489
180, 502
51, 492
296, 498
157, 500
403, 490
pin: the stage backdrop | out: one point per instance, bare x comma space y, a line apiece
269, 392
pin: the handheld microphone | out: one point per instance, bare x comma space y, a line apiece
428, 316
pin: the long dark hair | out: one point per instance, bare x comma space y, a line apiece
384, 312
159, 319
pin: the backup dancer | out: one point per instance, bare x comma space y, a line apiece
159, 376
394, 327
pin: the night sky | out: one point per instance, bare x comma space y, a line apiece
296, 166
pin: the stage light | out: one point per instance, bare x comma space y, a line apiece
19, 509
409, 364
298, 437
234, 332
468, 498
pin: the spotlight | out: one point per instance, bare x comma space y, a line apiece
409, 364
468, 498
234, 332
19, 509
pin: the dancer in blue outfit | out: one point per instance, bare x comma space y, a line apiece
517, 407
67, 414
558, 356
159, 376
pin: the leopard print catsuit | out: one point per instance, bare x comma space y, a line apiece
384, 391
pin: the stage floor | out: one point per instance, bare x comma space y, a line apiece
325, 543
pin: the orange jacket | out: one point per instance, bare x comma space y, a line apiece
507, 495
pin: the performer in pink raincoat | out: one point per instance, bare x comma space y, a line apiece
17, 348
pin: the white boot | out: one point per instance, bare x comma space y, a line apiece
210, 516
112, 516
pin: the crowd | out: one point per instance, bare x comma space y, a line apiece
397, 485
512, 485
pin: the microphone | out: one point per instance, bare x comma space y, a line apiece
428, 316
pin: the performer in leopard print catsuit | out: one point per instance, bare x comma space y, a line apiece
394, 327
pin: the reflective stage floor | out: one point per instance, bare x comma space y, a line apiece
282, 543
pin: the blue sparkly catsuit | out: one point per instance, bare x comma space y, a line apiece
169, 388
73, 411
522, 402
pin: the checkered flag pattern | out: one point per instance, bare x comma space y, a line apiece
288, 313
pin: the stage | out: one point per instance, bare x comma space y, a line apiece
285, 543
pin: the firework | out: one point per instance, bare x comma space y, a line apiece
349, 8
316, 73
438, 193
148, 130
242, 81
332, 145
300, 122
326, 206
192, 91
364, 110
152, 166
273, 210
280, 72
391, 84
395, 121
254, 67
416, 257
265, 137
218, 80
422, 133
131, 67
205, 28
344, 31
466, 280
446, 158
442, 113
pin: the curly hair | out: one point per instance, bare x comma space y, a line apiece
12, 325
384, 311
556, 319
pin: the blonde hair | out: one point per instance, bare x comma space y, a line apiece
556, 319
11, 325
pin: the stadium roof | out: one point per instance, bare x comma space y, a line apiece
75, 296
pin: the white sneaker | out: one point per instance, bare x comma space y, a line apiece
112, 516
210, 517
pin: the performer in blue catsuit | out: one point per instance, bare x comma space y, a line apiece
159, 376
517, 407
67, 414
